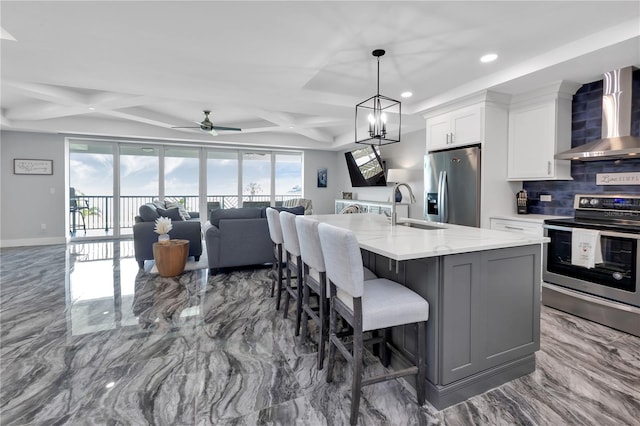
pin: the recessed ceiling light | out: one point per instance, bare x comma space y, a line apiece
291, 127
489, 57
92, 109
406, 94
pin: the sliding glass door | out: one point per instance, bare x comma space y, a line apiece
222, 180
288, 176
181, 176
109, 181
256, 179
91, 166
139, 181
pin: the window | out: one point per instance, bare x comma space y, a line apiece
118, 177
222, 179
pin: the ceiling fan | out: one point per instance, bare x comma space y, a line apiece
207, 126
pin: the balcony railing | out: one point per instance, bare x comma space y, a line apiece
99, 212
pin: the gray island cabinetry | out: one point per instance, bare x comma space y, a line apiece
483, 289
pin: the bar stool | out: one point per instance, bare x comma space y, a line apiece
314, 273
373, 305
293, 264
275, 232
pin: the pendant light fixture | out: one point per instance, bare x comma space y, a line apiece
378, 118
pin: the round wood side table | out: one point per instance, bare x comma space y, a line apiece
171, 257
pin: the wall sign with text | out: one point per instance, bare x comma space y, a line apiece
632, 178
23, 166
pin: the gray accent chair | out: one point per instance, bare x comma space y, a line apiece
144, 235
239, 237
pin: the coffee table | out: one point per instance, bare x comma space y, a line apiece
171, 257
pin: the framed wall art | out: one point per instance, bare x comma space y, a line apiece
322, 177
23, 166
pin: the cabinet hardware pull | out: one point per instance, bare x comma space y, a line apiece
548, 167
451, 138
514, 227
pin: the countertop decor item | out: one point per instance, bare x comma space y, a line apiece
378, 118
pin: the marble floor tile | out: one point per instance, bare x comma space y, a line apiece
89, 339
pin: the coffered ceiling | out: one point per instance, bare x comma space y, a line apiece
288, 73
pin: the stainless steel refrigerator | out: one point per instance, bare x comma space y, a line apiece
452, 186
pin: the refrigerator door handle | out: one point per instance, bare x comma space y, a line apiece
439, 200
444, 198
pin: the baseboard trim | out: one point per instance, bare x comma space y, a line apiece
33, 242
442, 397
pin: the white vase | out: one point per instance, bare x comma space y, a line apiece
163, 237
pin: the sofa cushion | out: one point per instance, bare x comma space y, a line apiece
242, 213
172, 213
299, 210
148, 212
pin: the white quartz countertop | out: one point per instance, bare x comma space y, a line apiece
375, 233
535, 218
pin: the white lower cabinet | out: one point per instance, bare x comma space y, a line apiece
514, 225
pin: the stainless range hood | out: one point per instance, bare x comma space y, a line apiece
616, 142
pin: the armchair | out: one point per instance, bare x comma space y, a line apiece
144, 235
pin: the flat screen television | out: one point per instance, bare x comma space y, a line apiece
365, 167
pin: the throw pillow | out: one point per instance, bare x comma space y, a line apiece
148, 212
183, 212
172, 214
159, 204
294, 210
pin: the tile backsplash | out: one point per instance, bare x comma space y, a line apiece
586, 126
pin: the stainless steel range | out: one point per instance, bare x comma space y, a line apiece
607, 290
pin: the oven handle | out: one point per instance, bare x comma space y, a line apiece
602, 233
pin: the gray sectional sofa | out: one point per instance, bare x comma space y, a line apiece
144, 235
240, 237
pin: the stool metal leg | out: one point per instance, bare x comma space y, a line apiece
324, 323
305, 302
421, 355
299, 288
332, 335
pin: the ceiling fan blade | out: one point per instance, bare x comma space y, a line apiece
230, 129
182, 127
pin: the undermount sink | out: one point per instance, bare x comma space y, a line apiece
420, 225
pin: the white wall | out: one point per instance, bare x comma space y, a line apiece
323, 198
407, 154
28, 201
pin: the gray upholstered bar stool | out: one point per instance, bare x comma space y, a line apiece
275, 232
372, 305
293, 264
314, 273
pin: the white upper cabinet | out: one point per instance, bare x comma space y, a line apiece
455, 128
539, 128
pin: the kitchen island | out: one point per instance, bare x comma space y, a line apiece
483, 289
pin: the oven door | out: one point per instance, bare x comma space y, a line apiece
616, 278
